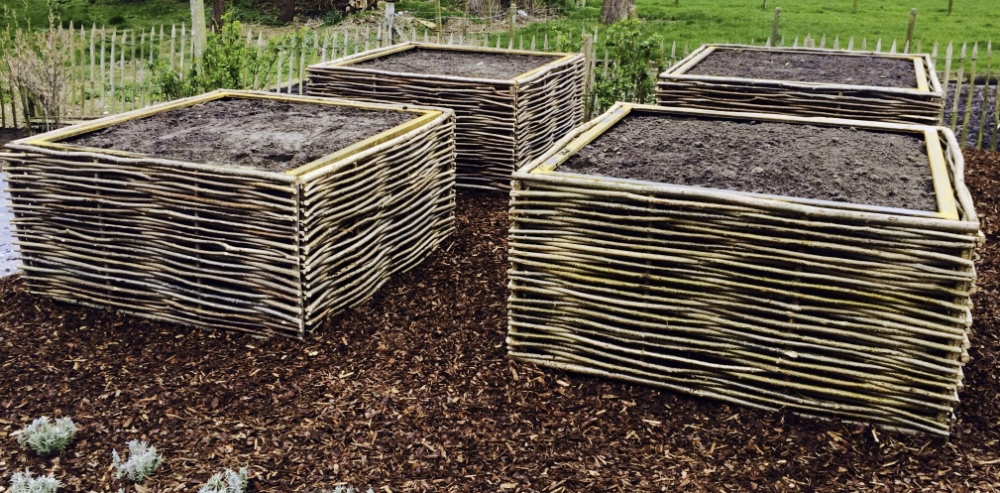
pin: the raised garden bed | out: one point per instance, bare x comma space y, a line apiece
883, 87
235, 210
511, 105
764, 260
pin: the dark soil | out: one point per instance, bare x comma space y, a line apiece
799, 67
265, 134
840, 164
983, 105
483, 65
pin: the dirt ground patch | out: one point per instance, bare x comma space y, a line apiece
412, 391
830, 163
458, 63
265, 134
981, 115
806, 67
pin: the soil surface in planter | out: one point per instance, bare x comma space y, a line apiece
260, 133
807, 67
412, 391
483, 65
806, 161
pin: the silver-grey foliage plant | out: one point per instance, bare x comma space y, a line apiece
227, 481
347, 489
24, 482
45, 437
142, 461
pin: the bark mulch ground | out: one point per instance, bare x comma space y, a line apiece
412, 392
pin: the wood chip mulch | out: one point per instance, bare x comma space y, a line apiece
412, 391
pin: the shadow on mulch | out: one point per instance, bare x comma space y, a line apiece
412, 391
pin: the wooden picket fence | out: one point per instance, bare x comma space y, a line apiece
110, 69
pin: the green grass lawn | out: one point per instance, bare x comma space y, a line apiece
132, 14
694, 22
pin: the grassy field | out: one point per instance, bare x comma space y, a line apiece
694, 22
690, 21
137, 14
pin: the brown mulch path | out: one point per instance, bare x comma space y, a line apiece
412, 391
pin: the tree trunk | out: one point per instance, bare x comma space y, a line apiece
287, 11
613, 11
198, 33
218, 10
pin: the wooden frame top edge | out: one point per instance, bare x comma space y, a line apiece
347, 62
945, 193
48, 140
679, 70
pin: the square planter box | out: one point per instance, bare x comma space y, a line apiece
896, 88
107, 214
745, 292
511, 105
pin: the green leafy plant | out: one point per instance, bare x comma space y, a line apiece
228, 61
25, 482
45, 437
227, 481
142, 461
252, 12
333, 17
633, 63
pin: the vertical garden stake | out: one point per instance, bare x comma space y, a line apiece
774, 25
909, 30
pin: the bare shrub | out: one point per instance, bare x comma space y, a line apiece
35, 65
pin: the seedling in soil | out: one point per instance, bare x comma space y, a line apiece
45, 437
142, 461
347, 489
25, 482
227, 481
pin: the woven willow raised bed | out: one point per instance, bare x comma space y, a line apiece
231, 247
922, 104
502, 124
826, 308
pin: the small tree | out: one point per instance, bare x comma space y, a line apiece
228, 62
634, 61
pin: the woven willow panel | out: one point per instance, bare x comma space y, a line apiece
924, 105
843, 310
227, 247
501, 124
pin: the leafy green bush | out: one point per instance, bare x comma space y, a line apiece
333, 17
142, 461
24, 482
45, 437
633, 64
247, 11
228, 62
